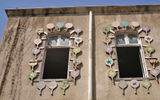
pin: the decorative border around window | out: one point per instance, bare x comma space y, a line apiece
75, 42
149, 73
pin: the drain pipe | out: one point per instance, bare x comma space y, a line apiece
90, 91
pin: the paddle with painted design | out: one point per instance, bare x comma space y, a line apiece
135, 84
68, 26
109, 62
52, 85
78, 30
155, 73
150, 49
146, 29
39, 31
146, 84
32, 75
50, 26
148, 39
135, 24
125, 23
60, 25
107, 40
106, 30
111, 74
32, 64
116, 25
78, 40
123, 85
41, 85
64, 85
75, 74
76, 50
76, 63
109, 50
37, 42
35, 52
153, 62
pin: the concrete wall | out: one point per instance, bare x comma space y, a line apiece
16, 51
17, 43
105, 90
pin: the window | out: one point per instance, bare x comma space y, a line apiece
129, 61
130, 56
56, 58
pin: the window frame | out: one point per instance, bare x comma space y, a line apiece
142, 54
52, 47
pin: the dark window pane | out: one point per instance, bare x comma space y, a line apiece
56, 63
52, 41
64, 41
132, 39
120, 39
129, 61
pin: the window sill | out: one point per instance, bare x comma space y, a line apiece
49, 80
129, 79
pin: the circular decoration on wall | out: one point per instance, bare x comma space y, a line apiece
108, 50
146, 29
150, 49
78, 31
76, 50
50, 26
52, 85
32, 64
68, 25
125, 23
64, 85
115, 24
153, 62
37, 42
107, 40
60, 25
36, 51
146, 84
32, 75
148, 39
111, 74
78, 40
109, 62
135, 24
76, 63
135, 84
106, 30
75, 74
39, 31
123, 85
155, 73
41, 85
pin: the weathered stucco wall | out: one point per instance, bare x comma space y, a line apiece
104, 87
17, 44
16, 51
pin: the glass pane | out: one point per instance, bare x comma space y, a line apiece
120, 39
132, 39
52, 41
129, 61
56, 63
64, 41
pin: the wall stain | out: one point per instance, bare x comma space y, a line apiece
16, 52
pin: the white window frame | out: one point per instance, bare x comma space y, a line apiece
58, 45
127, 44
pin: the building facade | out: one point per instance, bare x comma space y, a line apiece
75, 38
